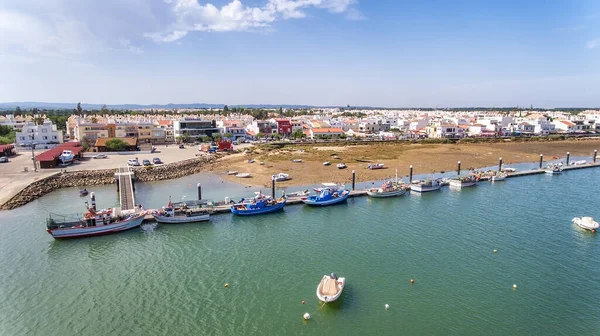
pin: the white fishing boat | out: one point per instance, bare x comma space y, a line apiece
66, 157
388, 189
463, 182
184, 212
326, 163
243, 175
376, 166
330, 288
498, 177
280, 177
341, 166
587, 223
425, 185
553, 169
232, 172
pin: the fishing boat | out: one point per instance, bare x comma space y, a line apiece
388, 189
553, 169
498, 177
91, 223
232, 172
466, 181
258, 206
376, 166
280, 177
243, 175
330, 288
425, 185
302, 193
326, 163
184, 212
587, 223
578, 163
509, 170
328, 196
341, 166
66, 157
83, 192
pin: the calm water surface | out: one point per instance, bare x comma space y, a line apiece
171, 281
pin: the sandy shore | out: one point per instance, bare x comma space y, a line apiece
424, 158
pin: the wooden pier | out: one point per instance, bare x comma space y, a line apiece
125, 188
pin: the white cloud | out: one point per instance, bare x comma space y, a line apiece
592, 44
190, 15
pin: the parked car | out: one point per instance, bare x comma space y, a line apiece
182, 146
133, 162
156, 161
3, 159
147, 163
100, 156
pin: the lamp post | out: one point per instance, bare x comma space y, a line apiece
33, 156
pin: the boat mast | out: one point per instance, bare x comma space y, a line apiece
396, 176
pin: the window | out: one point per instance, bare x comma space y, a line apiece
54, 137
22, 138
44, 130
45, 137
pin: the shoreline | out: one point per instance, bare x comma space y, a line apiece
425, 159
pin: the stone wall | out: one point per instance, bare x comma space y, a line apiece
44, 186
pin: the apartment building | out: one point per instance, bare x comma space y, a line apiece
31, 133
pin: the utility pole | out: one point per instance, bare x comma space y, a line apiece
33, 156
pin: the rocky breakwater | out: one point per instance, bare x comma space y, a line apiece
175, 170
46, 185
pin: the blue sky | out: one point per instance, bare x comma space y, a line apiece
315, 52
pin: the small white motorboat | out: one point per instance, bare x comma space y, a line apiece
553, 169
326, 163
498, 177
587, 223
232, 172
330, 288
261, 163
462, 182
243, 175
297, 160
298, 193
425, 186
509, 170
341, 166
376, 166
280, 177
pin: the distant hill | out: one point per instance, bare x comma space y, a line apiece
56, 106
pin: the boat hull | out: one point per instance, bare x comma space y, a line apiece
377, 194
90, 231
459, 184
498, 178
553, 172
586, 226
332, 201
421, 189
330, 298
252, 212
181, 219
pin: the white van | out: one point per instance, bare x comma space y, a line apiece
133, 162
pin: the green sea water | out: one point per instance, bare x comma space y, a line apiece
170, 281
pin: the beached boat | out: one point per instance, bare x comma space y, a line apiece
182, 213
553, 169
297, 160
330, 288
302, 193
92, 223
341, 166
388, 189
587, 223
232, 172
466, 181
376, 166
243, 175
326, 163
328, 196
258, 206
498, 177
280, 177
425, 186
66, 157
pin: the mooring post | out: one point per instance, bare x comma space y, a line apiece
273, 186
353, 179
595, 154
117, 180
458, 169
568, 157
410, 175
541, 160
500, 165
199, 191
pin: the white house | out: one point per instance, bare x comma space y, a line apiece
565, 126
39, 134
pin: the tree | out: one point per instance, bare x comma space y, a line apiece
39, 120
204, 138
280, 110
94, 120
260, 134
298, 134
116, 145
226, 109
79, 109
228, 135
104, 110
85, 144
17, 110
7, 135
277, 136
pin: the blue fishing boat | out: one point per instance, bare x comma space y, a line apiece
327, 196
258, 206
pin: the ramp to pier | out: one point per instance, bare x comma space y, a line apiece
126, 196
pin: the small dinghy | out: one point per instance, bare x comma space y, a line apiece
330, 288
232, 172
326, 163
243, 175
303, 193
280, 177
498, 177
83, 192
376, 166
587, 223
341, 166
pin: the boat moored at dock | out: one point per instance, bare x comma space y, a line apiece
500, 176
258, 206
92, 223
425, 186
183, 212
463, 182
553, 169
327, 196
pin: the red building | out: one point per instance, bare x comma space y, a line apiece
284, 126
